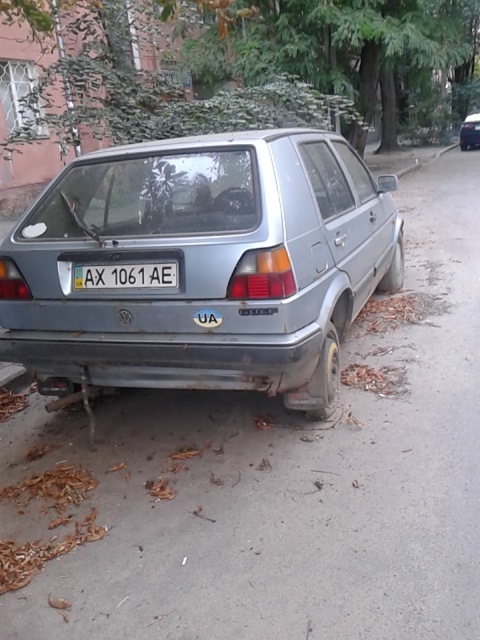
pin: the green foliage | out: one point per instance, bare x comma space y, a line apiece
35, 13
429, 119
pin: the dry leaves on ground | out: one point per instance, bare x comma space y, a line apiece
64, 485
160, 489
263, 423
38, 452
390, 313
62, 521
11, 403
19, 563
361, 376
117, 467
59, 603
184, 453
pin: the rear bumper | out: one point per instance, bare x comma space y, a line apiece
470, 137
273, 363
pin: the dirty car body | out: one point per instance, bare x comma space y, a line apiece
211, 262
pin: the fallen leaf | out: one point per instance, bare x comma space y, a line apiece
38, 452
117, 467
184, 453
62, 521
59, 603
64, 616
160, 489
262, 423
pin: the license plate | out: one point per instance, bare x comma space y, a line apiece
127, 276
477, 127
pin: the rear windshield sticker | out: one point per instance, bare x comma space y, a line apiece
208, 318
34, 230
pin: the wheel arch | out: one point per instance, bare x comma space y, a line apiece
337, 306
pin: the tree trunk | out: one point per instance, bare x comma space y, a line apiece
367, 89
114, 17
389, 140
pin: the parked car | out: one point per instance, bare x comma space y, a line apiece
233, 261
470, 132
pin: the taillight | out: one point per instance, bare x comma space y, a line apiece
263, 275
467, 126
12, 284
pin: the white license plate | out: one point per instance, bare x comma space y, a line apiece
477, 127
126, 276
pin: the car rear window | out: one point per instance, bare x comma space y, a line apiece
180, 194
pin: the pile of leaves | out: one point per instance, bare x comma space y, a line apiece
65, 486
19, 563
390, 313
381, 381
60, 488
11, 403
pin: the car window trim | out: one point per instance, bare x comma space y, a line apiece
355, 190
324, 139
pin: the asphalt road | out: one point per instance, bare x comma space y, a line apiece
363, 529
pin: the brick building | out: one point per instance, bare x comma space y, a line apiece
23, 173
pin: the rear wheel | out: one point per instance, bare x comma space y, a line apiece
393, 280
463, 146
321, 393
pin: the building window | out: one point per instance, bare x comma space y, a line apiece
17, 79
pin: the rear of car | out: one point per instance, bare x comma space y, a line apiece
470, 132
161, 265
234, 261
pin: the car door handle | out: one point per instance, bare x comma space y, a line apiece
340, 240
373, 216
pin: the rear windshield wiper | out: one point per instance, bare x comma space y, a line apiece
79, 222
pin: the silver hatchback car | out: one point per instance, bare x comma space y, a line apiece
233, 261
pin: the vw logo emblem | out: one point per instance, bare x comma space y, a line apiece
125, 317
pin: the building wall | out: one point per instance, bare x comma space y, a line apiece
38, 162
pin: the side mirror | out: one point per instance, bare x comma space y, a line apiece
387, 183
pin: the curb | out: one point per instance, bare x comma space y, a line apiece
15, 378
446, 150
415, 167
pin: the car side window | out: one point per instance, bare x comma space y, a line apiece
327, 179
360, 175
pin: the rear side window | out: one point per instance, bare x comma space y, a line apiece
328, 181
182, 194
360, 175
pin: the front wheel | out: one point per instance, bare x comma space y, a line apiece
320, 395
392, 281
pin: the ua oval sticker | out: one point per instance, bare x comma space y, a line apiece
208, 318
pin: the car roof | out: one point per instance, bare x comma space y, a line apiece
473, 117
234, 137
